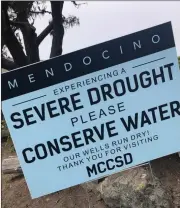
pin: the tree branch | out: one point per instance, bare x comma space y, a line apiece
18, 24
44, 33
41, 12
58, 29
77, 5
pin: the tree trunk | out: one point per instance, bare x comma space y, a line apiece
10, 39
58, 29
30, 38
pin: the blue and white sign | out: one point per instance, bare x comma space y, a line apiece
96, 111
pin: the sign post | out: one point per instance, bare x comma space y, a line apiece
96, 111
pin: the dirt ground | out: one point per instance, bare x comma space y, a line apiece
167, 170
15, 193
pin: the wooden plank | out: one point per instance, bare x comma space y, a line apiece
11, 165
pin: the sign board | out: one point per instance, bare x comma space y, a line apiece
96, 111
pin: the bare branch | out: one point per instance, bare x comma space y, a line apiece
78, 5
16, 23
41, 12
44, 33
